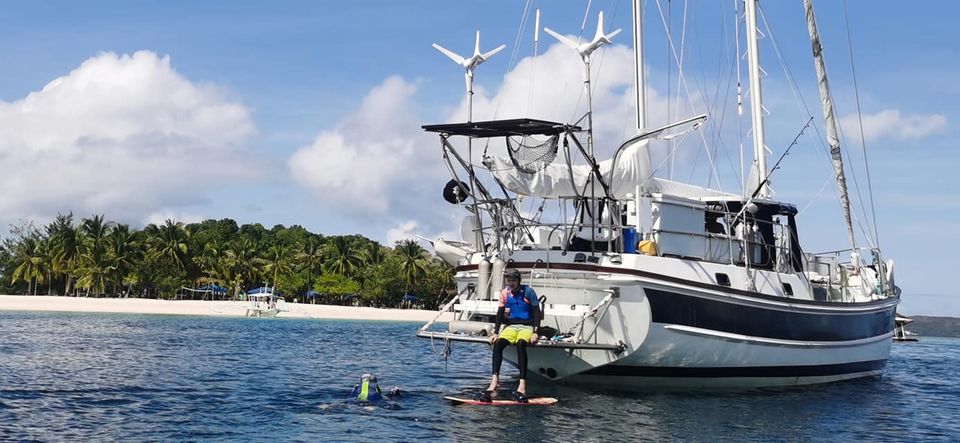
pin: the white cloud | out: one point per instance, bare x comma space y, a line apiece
120, 135
405, 231
889, 123
160, 217
373, 157
377, 162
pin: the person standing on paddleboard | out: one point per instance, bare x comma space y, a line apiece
519, 310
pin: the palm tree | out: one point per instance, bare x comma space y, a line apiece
374, 254
66, 246
94, 266
240, 263
311, 258
342, 257
169, 242
278, 262
29, 258
124, 252
209, 261
413, 262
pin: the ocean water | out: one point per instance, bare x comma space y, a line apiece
109, 377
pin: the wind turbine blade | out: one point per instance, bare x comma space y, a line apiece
561, 38
612, 34
476, 48
453, 55
493, 52
599, 34
536, 28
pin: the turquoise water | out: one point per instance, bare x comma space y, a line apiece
150, 378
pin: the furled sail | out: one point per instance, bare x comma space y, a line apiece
831, 123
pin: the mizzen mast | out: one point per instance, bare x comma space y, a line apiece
831, 124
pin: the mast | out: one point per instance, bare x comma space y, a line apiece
756, 100
640, 80
640, 84
831, 124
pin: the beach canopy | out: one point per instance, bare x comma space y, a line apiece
410, 297
312, 294
217, 289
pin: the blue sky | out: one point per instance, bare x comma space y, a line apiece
304, 112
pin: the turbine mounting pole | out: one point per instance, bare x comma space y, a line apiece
470, 65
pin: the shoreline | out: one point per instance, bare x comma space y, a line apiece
49, 303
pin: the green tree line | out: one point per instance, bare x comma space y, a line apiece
95, 257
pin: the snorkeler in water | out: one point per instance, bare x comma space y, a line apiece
368, 390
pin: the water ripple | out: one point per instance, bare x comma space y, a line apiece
148, 378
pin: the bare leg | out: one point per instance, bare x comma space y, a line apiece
494, 382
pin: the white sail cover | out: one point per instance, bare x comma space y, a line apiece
558, 180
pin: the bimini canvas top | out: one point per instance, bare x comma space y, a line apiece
502, 128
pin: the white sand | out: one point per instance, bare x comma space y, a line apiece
196, 307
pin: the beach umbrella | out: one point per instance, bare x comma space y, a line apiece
410, 297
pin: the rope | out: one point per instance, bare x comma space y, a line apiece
445, 352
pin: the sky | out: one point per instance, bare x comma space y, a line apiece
309, 113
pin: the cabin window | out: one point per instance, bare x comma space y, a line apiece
723, 279
787, 289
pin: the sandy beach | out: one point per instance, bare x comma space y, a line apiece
197, 307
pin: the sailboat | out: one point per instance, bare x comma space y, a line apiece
651, 282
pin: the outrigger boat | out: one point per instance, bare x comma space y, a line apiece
652, 282
264, 302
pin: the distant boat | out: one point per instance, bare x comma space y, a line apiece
264, 302
900, 331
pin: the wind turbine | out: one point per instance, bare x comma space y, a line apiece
584, 50
470, 64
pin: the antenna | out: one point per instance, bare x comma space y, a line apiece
470, 64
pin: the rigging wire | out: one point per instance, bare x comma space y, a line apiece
863, 142
511, 63
795, 89
719, 105
830, 179
683, 83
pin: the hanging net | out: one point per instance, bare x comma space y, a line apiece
531, 155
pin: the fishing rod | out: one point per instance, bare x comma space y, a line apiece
775, 167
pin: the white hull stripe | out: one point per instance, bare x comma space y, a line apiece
775, 342
742, 371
